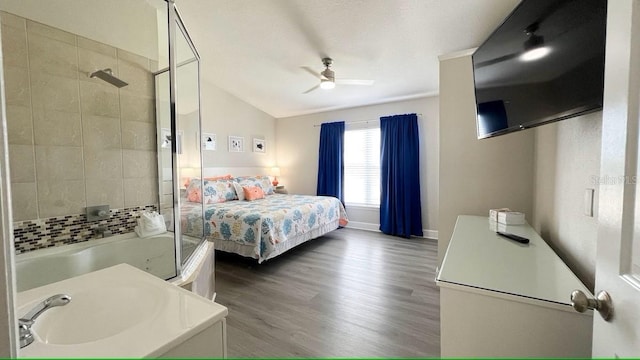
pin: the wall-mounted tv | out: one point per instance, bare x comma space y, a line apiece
544, 63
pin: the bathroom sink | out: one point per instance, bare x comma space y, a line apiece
119, 311
85, 321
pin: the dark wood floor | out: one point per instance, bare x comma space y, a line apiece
350, 293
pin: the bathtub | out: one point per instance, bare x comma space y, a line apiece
155, 255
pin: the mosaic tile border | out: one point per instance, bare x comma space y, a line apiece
37, 234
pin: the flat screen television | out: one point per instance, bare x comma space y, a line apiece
544, 63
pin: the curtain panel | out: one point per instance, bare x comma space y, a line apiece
400, 208
331, 161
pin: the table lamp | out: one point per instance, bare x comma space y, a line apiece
275, 171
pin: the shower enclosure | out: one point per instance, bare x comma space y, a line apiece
103, 118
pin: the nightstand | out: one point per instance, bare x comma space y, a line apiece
280, 189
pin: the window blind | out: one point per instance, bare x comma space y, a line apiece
362, 166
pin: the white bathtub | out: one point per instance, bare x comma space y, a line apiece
155, 255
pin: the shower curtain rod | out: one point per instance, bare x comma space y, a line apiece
357, 122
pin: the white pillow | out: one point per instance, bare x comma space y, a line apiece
239, 190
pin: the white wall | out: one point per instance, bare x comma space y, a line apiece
298, 144
567, 162
476, 175
543, 172
224, 114
7, 277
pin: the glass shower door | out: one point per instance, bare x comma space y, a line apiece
186, 135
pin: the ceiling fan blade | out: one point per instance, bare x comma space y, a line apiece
310, 71
310, 90
354, 82
497, 60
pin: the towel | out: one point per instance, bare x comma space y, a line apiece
149, 224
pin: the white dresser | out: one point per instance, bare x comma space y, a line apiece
500, 298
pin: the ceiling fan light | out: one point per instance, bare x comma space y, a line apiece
327, 84
535, 54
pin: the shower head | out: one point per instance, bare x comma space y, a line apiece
107, 75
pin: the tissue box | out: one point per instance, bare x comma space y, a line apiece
511, 218
493, 213
496, 226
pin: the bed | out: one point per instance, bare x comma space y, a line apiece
261, 228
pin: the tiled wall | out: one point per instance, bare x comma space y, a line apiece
61, 230
76, 141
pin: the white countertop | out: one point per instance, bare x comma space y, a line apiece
116, 312
479, 258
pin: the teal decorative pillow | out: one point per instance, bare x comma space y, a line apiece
262, 181
218, 191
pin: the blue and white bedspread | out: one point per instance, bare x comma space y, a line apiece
265, 223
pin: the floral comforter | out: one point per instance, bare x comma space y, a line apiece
265, 222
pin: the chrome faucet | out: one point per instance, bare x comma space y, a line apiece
25, 322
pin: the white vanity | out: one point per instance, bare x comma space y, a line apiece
500, 298
124, 312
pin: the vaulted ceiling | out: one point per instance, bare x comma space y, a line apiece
255, 49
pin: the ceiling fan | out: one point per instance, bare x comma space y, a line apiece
328, 78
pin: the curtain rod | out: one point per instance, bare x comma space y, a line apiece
357, 122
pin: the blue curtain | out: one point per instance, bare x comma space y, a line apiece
331, 160
400, 210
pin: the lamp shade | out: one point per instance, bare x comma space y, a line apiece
275, 171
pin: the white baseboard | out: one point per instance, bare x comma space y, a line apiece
427, 234
430, 234
363, 226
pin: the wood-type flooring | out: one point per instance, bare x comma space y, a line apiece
350, 293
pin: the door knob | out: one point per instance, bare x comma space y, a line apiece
602, 303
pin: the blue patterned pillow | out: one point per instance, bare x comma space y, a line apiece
218, 191
262, 181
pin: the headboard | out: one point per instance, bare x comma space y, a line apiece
236, 171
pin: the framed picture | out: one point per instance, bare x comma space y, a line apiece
209, 141
259, 145
165, 139
236, 144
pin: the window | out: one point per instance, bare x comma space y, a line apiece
362, 165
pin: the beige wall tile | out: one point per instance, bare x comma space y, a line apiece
14, 46
90, 61
100, 132
102, 163
139, 78
55, 93
52, 57
105, 192
138, 135
57, 128
56, 198
166, 201
24, 201
137, 108
35, 28
98, 99
95, 46
143, 191
22, 163
135, 59
55, 163
12, 20
154, 65
167, 187
19, 125
16, 84
139, 164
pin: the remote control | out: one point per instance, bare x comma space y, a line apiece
513, 237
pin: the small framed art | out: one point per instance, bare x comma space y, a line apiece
209, 141
259, 145
236, 144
